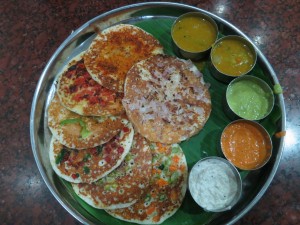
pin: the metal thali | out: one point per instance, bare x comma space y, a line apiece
254, 184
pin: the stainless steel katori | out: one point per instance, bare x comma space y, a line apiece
254, 185
194, 55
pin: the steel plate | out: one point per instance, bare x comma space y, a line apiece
254, 185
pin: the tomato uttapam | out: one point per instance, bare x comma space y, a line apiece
83, 95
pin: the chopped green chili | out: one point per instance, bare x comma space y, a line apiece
86, 170
60, 156
84, 131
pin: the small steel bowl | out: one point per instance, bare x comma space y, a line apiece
222, 75
232, 138
188, 54
207, 172
245, 105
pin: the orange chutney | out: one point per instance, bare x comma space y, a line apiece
246, 144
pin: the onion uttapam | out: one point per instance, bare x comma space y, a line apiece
166, 99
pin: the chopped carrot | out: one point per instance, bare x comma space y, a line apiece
182, 168
172, 168
155, 171
150, 209
175, 159
161, 182
173, 195
280, 134
161, 147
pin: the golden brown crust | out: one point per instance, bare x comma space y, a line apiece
115, 50
166, 99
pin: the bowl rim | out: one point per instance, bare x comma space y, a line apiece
235, 173
240, 38
266, 135
263, 85
201, 15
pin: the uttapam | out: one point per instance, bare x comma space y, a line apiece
126, 184
166, 99
80, 132
115, 50
167, 189
89, 165
83, 95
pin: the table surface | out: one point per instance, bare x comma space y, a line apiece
30, 32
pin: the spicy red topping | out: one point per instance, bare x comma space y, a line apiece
125, 129
84, 87
107, 159
74, 176
120, 150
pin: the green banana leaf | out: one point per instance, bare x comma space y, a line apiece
205, 143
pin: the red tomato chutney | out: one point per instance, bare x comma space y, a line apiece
246, 144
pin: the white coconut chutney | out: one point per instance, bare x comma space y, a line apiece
213, 184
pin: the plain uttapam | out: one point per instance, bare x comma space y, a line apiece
166, 99
76, 131
83, 95
89, 165
126, 184
167, 189
115, 50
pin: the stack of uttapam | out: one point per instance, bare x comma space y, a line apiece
119, 111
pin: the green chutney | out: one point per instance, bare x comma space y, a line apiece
248, 99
